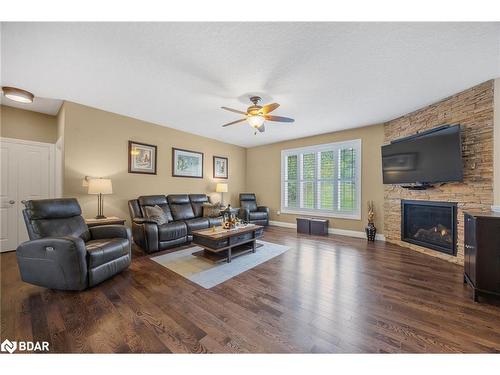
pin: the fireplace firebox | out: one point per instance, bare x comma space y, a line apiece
430, 224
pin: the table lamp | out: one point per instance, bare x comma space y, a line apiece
100, 186
221, 188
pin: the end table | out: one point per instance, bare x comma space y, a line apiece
111, 220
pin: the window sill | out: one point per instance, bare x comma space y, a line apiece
356, 216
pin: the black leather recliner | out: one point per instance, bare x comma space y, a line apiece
63, 253
249, 211
184, 213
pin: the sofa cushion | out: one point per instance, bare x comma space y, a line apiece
257, 215
155, 200
156, 214
197, 223
212, 210
197, 202
55, 218
249, 205
172, 231
53, 208
105, 250
248, 201
72, 226
180, 206
152, 200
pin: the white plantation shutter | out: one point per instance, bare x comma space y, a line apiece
323, 180
291, 182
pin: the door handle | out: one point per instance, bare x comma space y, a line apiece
12, 202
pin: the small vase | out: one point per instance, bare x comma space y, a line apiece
371, 231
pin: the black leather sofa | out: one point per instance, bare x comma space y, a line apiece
63, 253
249, 211
184, 213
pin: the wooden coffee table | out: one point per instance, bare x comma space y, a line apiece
226, 244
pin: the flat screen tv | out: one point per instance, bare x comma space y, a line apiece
434, 156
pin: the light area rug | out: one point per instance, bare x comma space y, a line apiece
208, 274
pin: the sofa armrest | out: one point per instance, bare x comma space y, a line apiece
54, 262
263, 209
145, 234
142, 220
110, 231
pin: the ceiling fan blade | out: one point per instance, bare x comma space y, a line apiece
278, 118
234, 122
234, 110
268, 108
262, 128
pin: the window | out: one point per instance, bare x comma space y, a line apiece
323, 180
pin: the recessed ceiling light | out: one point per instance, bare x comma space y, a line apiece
18, 95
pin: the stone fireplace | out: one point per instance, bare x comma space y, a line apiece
473, 110
430, 224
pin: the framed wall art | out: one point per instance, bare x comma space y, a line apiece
221, 167
141, 158
186, 163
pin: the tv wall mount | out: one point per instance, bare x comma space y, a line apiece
418, 186
421, 133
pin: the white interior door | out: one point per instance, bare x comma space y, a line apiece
8, 194
27, 173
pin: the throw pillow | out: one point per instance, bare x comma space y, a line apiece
156, 214
211, 210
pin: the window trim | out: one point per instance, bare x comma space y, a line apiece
356, 215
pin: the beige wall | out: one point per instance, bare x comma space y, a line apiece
264, 171
96, 144
27, 125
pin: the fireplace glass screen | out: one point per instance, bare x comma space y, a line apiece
429, 224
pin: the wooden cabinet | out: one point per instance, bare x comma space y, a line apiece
482, 252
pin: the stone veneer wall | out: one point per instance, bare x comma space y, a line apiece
473, 110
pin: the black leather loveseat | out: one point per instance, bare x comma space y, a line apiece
184, 213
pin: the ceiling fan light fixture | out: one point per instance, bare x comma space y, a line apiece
255, 121
18, 95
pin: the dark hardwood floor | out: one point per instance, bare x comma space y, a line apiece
333, 295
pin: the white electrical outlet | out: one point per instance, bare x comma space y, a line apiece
278, 212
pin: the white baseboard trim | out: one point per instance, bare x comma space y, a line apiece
495, 208
340, 232
282, 224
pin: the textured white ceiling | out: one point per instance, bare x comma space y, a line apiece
328, 76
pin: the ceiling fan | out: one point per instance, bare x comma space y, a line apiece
256, 115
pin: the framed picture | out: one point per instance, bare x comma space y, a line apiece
221, 167
141, 158
187, 163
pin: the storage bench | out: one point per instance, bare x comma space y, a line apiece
315, 226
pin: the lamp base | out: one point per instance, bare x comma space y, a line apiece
100, 217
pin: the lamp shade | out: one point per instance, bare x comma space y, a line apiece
221, 188
100, 186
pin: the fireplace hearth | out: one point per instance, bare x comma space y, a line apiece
430, 224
